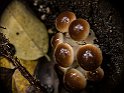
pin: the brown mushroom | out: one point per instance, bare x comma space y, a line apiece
64, 54
63, 21
57, 39
89, 57
95, 75
74, 80
79, 29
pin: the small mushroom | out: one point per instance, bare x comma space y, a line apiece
74, 80
57, 39
64, 54
95, 75
89, 57
63, 21
79, 29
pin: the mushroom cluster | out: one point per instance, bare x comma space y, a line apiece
77, 57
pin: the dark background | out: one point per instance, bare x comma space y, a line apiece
118, 4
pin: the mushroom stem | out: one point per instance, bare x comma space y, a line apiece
63, 69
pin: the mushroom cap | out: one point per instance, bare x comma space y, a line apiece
74, 80
79, 29
95, 75
89, 57
63, 21
57, 39
64, 54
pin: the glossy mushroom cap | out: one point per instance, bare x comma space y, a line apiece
57, 39
74, 80
79, 29
89, 57
95, 75
64, 55
63, 21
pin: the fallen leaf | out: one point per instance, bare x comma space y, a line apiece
25, 31
20, 84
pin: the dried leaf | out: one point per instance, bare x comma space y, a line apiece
27, 33
20, 83
4, 63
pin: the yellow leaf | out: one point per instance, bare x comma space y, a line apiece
20, 83
25, 31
